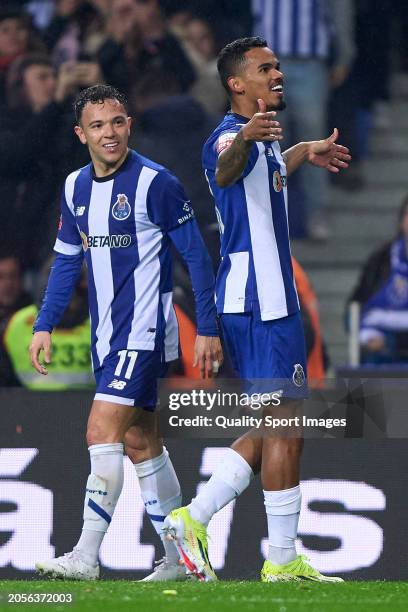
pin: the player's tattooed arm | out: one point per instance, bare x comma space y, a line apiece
232, 161
262, 127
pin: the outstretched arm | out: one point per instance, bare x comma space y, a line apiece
233, 160
321, 153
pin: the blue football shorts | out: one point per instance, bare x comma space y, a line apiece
129, 377
268, 356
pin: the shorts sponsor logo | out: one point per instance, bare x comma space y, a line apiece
79, 211
298, 375
121, 209
115, 241
119, 385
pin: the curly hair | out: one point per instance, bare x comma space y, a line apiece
97, 94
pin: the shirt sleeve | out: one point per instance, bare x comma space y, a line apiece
68, 240
62, 280
187, 240
220, 143
167, 203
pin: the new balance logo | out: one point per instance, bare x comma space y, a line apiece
117, 384
80, 211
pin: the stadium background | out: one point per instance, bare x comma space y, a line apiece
352, 521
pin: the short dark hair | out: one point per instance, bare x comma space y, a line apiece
97, 94
232, 57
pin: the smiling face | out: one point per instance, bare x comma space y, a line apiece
259, 77
105, 127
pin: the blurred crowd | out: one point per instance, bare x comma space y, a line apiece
382, 295
162, 55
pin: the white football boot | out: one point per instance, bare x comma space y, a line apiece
168, 571
68, 567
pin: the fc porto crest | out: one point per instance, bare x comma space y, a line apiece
121, 209
298, 375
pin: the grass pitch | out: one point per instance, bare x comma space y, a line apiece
118, 595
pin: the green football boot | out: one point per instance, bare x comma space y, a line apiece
296, 570
190, 537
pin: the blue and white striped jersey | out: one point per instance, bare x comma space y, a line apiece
121, 223
294, 28
256, 267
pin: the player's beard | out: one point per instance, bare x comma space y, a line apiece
279, 106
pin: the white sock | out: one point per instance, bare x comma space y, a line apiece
230, 478
282, 511
161, 493
102, 493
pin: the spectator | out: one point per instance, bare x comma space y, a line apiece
96, 34
139, 41
72, 21
382, 291
12, 298
71, 366
16, 38
376, 270
354, 103
36, 124
171, 130
302, 41
228, 20
198, 42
